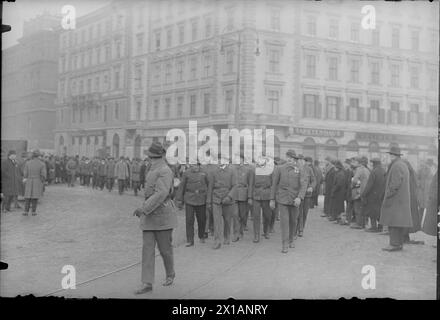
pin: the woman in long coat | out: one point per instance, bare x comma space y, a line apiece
430, 222
34, 177
338, 191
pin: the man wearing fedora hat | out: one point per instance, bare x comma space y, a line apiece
157, 219
288, 190
396, 207
372, 195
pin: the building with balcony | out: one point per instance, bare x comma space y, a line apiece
29, 83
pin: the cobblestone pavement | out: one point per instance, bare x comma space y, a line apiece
95, 231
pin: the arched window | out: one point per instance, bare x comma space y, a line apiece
331, 148
352, 146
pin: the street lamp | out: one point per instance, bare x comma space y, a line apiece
222, 51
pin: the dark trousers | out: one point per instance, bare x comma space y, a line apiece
110, 183
357, 208
349, 211
8, 201
209, 225
397, 235
303, 211
274, 214
222, 214
315, 200
95, 180
72, 178
28, 202
258, 206
121, 184
243, 212
101, 182
87, 180
200, 214
136, 187
288, 221
164, 240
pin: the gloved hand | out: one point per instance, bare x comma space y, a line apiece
227, 200
250, 202
272, 204
138, 212
208, 206
297, 202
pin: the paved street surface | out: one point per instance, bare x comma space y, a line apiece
95, 232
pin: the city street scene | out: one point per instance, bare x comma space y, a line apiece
189, 149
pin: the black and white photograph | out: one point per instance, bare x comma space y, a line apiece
216, 149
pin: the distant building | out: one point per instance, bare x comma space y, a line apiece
29, 84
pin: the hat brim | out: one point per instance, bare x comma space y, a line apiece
395, 153
154, 155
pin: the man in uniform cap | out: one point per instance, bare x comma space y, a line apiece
288, 190
157, 219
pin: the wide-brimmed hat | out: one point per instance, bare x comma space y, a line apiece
156, 150
394, 150
291, 154
338, 164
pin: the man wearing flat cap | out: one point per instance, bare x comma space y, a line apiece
372, 195
396, 207
288, 190
157, 219
358, 183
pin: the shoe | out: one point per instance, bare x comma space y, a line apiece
202, 240
331, 219
34, 213
344, 223
291, 245
189, 244
300, 234
256, 240
235, 239
169, 281
246, 229
392, 248
323, 215
387, 233
217, 246
272, 231
25, 213
146, 288
375, 230
355, 226
414, 242
226, 242
266, 236
284, 250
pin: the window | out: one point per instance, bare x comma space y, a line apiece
432, 115
97, 113
206, 103
99, 30
105, 113
168, 73
179, 107
414, 77
167, 108
157, 36
82, 60
140, 42
81, 115
138, 77
106, 83
311, 26
333, 107
193, 67
310, 106
415, 40
395, 75
208, 27
180, 70
89, 113
156, 109
274, 100
118, 49
107, 53
413, 118
181, 34
169, 37
230, 18
375, 37
354, 71
275, 19
81, 87
116, 110
333, 68
91, 32
194, 31
116, 78
207, 66
192, 105
89, 85
274, 61
374, 110
74, 115
228, 101
157, 73
333, 29
375, 73
311, 66
138, 110
394, 113
353, 109
354, 32
433, 77
395, 38
229, 61
98, 55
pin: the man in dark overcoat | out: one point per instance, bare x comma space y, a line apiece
338, 192
372, 195
10, 179
157, 219
431, 220
328, 180
396, 207
318, 176
34, 177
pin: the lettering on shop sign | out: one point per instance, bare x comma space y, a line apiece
367, 136
318, 132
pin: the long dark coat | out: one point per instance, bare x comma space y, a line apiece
35, 175
430, 223
338, 193
372, 196
318, 176
329, 179
424, 178
10, 178
396, 206
415, 212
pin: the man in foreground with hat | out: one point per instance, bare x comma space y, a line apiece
396, 208
157, 219
10, 182
372, 195
34, 176
288, 190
